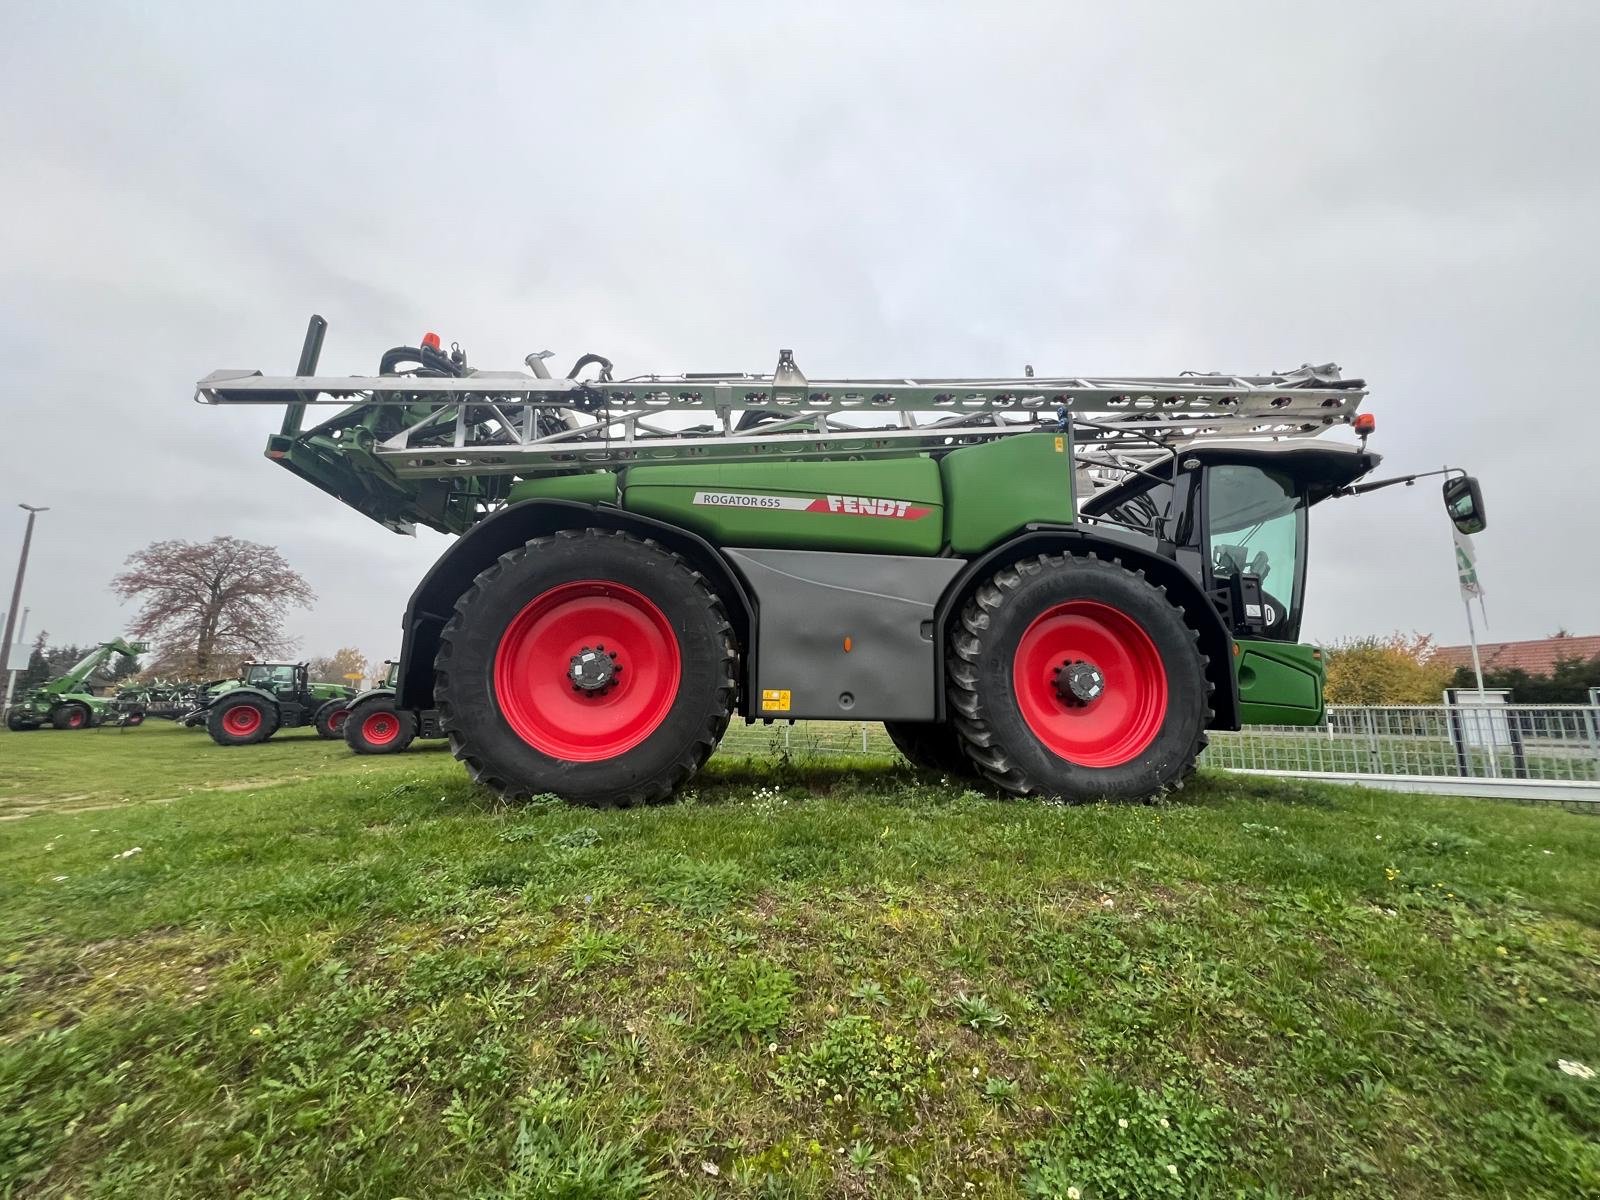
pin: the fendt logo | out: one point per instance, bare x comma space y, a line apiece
874, 506
853, 506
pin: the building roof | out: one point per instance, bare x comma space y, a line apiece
1538, 657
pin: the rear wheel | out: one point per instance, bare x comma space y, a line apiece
376, 726
133, 718
331, 717
241, 721
1078, 678
70, 716
932, 746
593, 665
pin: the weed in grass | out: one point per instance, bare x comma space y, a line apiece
1001, 1091
748, 997
870, 993
576, 839
856, 1062
560, 1156
596, 948
979, 1013
700, 887
1120, 1142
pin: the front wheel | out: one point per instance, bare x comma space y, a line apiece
241, 721
17, 723
592, 665
70, 716
331, 717
376, 726
1078, 678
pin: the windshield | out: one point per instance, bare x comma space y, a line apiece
263, 675
1256, 525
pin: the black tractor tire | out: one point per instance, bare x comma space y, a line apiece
133, 719
229, 722
72, 716
540, 611
1157, 726
330, 719
931, 746
377, 726
17, 723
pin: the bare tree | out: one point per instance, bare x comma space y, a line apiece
346, 660
209, 605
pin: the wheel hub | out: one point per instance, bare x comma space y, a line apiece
1079, 683
594, 671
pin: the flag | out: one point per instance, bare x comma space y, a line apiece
1467, 568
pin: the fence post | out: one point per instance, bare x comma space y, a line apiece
1372, 740
863, 737
1591, 718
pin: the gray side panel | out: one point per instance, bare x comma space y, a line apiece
811, 601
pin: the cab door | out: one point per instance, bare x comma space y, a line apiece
1254, 519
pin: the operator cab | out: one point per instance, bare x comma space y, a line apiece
1233, 514
278, 678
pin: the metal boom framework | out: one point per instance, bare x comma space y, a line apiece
512, 423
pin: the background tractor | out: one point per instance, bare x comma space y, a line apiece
1055, 586
66, 702
378, 725
268, 697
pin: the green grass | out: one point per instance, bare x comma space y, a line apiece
813, 979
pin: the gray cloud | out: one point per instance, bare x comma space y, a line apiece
886, 188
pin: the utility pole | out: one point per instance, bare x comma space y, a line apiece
13, 672
16, 590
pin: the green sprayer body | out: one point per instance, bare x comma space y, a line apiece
1051, 585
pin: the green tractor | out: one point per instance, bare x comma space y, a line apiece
378, 725
1053, 586
67, 702
268, 697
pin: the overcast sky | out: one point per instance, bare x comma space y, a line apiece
1410, 190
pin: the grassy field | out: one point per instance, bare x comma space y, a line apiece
284, 971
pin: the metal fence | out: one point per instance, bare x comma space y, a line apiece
1534, 752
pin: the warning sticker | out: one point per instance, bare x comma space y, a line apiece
774, 701
855, 506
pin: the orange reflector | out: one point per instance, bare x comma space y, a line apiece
1364, 423
847, 645
431, 341
1236, 649
277, 453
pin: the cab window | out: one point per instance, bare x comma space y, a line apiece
276, 677
1256, 523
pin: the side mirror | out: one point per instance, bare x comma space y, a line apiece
1463, 500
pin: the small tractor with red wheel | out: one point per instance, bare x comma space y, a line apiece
67, 702
378, 725
268, 697
1052, 586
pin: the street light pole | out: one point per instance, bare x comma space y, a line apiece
16, 589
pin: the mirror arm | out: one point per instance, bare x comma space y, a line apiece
1359, 489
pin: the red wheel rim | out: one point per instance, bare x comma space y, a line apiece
75, 719
241, 720
1119, 723
380, 728
540, 648
336, 719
